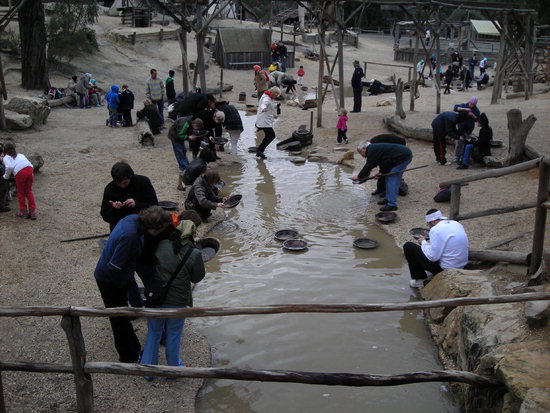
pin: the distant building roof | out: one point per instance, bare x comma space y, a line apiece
485, 27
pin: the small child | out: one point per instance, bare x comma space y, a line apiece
113, 101
20, 166
300, 75
342, 126
197, 125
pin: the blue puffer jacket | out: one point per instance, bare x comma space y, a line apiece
112, 97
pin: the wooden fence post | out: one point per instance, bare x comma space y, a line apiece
540, 216
221, 82
2, 402
455, 201
83, 380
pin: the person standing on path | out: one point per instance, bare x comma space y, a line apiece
155, 92
170, 87
266, 118
116, 266
113, 101
261, 80
447, 248
126, 105
169, 256
357, 86
388, 157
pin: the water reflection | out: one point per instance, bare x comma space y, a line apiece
319, 201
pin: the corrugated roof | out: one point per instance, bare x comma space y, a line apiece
237, 40
485, 27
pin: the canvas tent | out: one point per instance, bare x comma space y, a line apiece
484, 29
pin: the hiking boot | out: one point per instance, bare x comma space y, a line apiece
388, 208
32, 215
5, 209
462, 167
21, 214
261, 155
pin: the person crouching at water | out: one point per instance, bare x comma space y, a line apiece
202, 197
22, 169
266, 118
389, 157
447, 248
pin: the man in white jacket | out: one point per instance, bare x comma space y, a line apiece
447, 248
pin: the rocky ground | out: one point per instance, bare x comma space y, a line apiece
78, 152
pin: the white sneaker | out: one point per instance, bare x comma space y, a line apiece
428, 275
448, 163
416, 283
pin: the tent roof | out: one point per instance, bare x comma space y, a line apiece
485, 27
236, 40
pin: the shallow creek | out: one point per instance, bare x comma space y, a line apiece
320, 202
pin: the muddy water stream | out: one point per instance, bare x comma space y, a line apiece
319, 201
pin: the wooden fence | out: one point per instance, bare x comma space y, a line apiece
541, 206
82, 370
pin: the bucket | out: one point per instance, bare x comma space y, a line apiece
242, 97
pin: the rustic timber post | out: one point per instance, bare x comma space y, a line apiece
339, 16
454, 208
134, 35
540, 216
415, 57
500, 72
200, 48
320, 77
161, 34
2, 402
437, 78
83, 381
221, 82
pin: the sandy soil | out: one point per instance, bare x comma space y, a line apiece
79, 150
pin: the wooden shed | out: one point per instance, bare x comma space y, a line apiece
239, 48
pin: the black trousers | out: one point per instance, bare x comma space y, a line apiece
268, 138
440, 146
418, 263
357, 99
127, 117
126, 342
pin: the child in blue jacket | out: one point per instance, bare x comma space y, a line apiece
112, 104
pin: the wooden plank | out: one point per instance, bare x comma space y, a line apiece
496, 211
506, 240
82, 379
2, 401
493, 173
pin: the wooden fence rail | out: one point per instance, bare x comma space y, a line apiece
82, 370
265, 309
541, 205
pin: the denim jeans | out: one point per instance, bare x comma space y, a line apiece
181, 155
174, 331
467, 152
113, 116
393, 182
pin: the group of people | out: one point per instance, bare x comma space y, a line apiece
157, 246
459, 125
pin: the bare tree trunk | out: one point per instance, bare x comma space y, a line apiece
32, 30
399, 86
518, 130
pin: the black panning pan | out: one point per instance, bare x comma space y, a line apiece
284, 234
295, 245
233, 201
209, 247
168, 205
365, 243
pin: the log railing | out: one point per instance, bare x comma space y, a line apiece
541, 205
82, 370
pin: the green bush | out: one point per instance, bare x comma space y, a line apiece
64, 45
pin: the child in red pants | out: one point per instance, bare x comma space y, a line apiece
20, 166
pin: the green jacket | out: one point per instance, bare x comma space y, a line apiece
180, 129
179, 293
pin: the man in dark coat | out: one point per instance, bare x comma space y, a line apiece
446, 124
388, 157
126, 105
151, 113
115, 270
357, 86
125, 195
381, 182
192, 105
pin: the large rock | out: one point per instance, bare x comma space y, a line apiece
17, 121
37, 109
491, 340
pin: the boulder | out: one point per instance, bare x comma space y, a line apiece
37, 161
17, 121
37, 109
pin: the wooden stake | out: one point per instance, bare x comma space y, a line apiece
540, 217
83, 380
